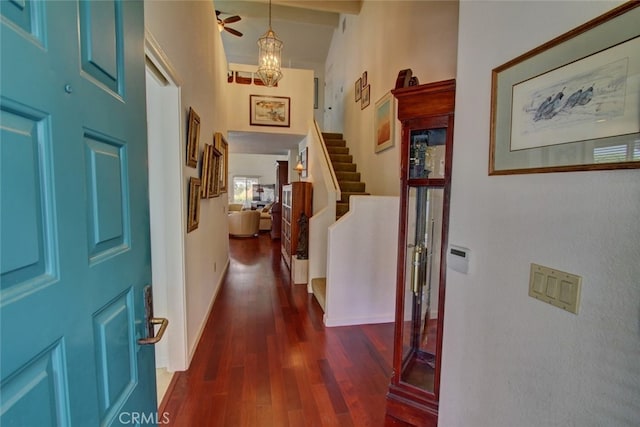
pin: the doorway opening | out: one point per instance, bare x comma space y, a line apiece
167, 221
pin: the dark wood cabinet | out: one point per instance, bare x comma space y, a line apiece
282, 179
426, 113
296, 198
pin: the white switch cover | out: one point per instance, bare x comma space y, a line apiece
458, 258
555, 287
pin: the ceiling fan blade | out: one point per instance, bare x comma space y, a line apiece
231, 19
234, 32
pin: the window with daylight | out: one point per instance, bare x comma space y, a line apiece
617, 153
243, 189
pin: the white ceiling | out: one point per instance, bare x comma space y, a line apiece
305, 28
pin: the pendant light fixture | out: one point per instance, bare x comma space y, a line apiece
269, 56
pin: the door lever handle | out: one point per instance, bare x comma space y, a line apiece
154, 339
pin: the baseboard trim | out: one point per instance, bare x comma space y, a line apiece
165, 399
192, 351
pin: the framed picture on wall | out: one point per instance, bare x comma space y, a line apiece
206, 171
193, 214
358, 89
214, 190
384, 120
223, 147
572, 103
304, 158
193, 138
269, 110
315, 93
366, 93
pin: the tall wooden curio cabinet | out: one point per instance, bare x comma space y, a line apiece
426, 113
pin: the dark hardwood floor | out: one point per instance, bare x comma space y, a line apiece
266, 359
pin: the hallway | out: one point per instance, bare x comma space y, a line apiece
265, 358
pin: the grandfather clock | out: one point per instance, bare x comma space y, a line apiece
426, 112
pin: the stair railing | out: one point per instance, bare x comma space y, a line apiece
327, 162
326, 191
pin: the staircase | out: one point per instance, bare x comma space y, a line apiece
345, 169
350, 184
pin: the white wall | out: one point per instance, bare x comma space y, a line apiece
360, 273
386, 37
295, 84
197, 54
510, 360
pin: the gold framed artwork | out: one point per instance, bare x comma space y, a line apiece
384, 120
572, 103
206, 171
193, 213
193, 138
214, 189
222, 146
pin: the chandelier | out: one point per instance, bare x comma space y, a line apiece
269, 56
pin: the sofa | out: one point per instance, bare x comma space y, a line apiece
265, 218
244, 223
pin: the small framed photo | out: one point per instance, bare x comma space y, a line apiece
358, 89
366, 93
193, 138
304, 157
384, 122
364, 79
315, 93
269, 110
193, 214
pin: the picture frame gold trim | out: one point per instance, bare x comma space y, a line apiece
205, 173
223, 146
193, 212
565, 63
193, 138
214, 189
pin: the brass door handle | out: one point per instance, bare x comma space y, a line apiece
163, 327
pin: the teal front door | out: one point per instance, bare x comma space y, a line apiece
74, 219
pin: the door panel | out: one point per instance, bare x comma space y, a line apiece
108, 207
75, 225
27, 212
101, 41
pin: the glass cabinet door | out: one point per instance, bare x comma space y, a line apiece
422, 285
427, 153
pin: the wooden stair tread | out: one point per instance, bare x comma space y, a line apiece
331, 135
345, 170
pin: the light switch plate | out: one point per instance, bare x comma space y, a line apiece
555, 287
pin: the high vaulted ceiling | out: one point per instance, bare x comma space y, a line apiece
305, 27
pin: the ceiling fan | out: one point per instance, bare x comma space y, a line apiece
222, 23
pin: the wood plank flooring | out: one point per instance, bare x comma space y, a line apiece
266, 359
